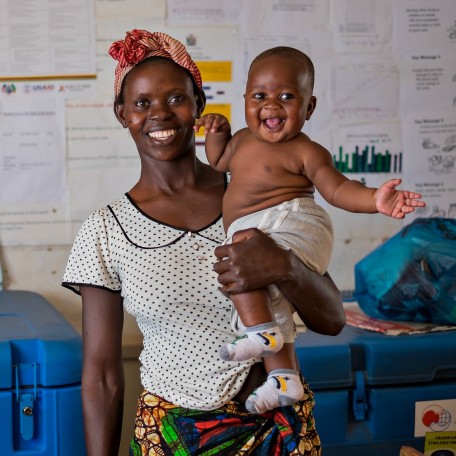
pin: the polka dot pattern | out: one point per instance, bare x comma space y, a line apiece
165, 275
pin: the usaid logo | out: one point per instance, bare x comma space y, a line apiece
28, 88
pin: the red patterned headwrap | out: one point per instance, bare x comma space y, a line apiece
138, 45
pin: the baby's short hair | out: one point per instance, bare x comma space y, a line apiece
289, 53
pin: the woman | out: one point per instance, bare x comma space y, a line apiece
151, 251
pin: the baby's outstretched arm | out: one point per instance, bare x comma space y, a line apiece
352, 195
218, 135
396, 203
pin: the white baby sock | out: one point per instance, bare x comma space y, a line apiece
283, 387
258, 341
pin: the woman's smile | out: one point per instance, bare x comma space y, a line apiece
162, 135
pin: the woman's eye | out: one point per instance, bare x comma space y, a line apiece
141, 103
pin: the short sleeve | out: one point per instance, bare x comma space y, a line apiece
90, 261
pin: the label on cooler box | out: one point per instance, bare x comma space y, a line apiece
440, 444
435, 416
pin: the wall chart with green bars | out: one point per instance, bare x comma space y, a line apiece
368, 160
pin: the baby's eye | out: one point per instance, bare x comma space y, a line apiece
286, 96
258, 96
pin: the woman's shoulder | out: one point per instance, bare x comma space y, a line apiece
100, 219
120, 205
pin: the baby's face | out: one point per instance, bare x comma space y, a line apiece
278, 98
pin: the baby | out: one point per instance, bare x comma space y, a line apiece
275, 169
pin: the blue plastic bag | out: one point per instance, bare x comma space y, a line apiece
411, 276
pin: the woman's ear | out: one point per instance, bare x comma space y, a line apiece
119, 113
311, 107
200, 103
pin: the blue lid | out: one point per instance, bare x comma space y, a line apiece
37, 345
408, 358
331, 361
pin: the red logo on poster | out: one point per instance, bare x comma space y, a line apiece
436, 418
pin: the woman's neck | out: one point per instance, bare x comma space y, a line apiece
187, 197
168, 176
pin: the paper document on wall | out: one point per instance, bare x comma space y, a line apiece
203, 12
48, 39
33, 175
360, 25
364, 89
431, 139
122, 9
428, 79
371, 151
423, 25
269, 17
32, 151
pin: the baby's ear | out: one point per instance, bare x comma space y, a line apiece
311, 107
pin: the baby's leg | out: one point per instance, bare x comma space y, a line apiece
283, 386
262, 334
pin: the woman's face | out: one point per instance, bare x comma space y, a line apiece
160, 109
278, 98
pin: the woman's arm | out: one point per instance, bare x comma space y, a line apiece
103, 381
315, 297
259, 261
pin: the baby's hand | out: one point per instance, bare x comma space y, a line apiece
213, 123
396, 203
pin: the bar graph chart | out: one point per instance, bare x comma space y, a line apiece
368, 160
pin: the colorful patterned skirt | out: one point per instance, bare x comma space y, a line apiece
165, 429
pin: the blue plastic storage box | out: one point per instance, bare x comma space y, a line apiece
367, 384
40, 379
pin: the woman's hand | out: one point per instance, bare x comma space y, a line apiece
251, 262
255, 261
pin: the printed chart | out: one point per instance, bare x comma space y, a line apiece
367, 159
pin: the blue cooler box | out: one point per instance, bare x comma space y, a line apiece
40, 379
366, 385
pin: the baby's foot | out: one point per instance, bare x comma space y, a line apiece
283, 387
258, 341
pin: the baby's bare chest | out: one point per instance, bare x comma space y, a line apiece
269, 165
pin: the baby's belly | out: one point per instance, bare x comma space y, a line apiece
237, 203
